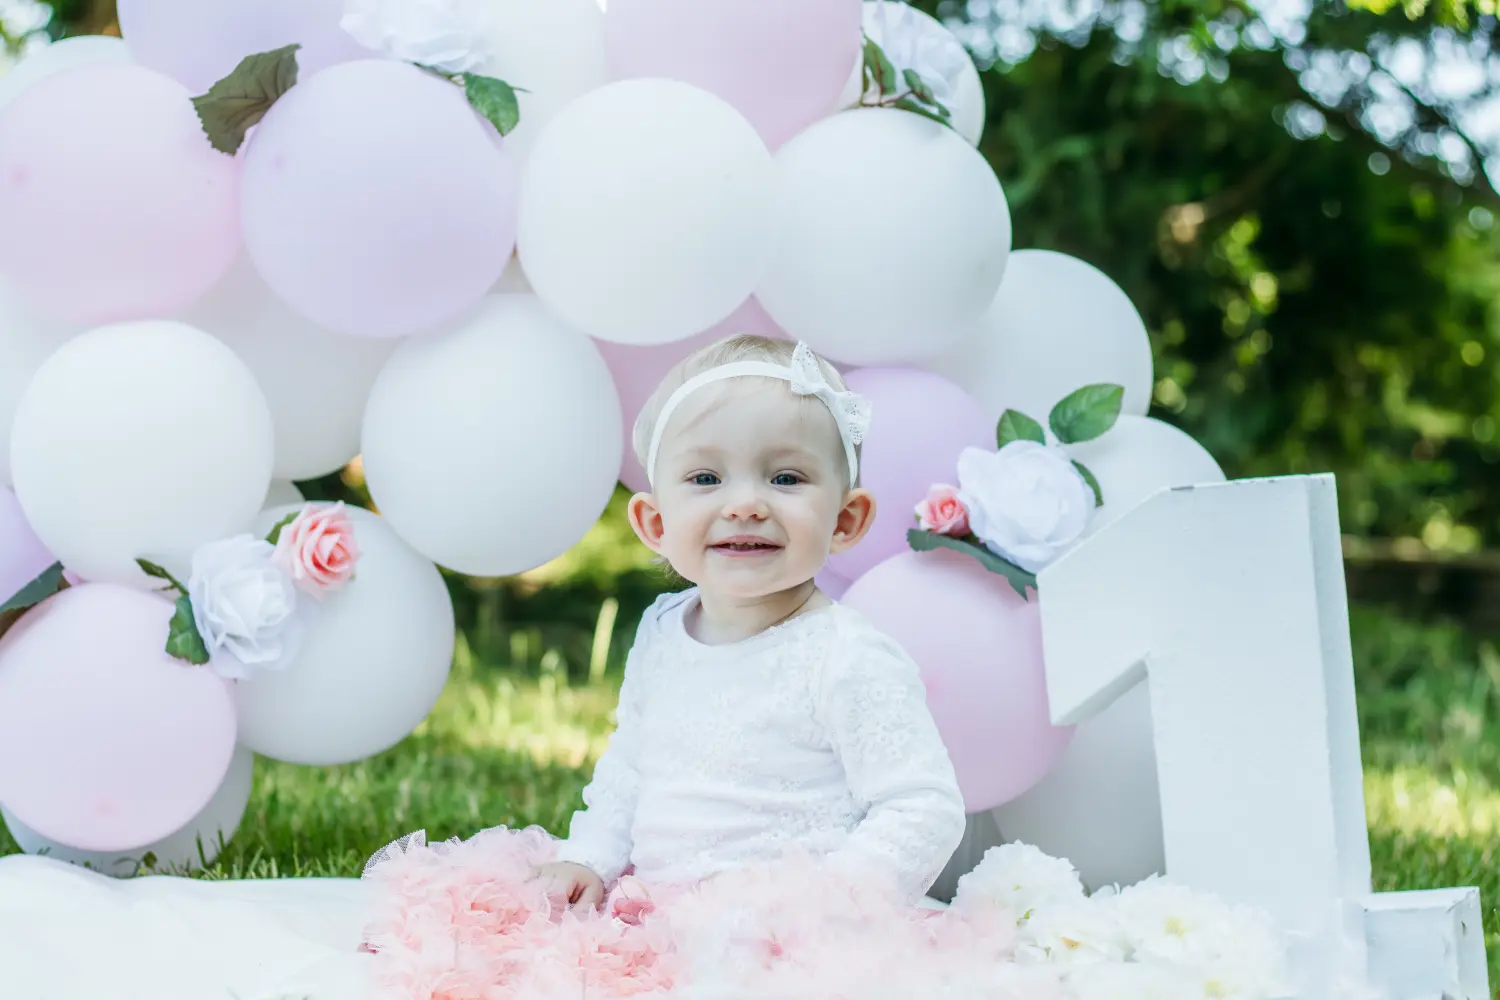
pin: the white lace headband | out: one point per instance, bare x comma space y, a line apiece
850, 410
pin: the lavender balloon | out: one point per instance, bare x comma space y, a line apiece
832, 584
23, 557
782, 63
980, 650
199, 42
376, 202
113, 204
106, 742
922, 424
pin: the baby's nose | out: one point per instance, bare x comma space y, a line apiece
745, 502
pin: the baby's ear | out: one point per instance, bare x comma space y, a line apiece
854, 521
645, 519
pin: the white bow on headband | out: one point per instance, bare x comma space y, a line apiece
850, 410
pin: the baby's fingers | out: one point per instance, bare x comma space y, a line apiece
557, 891
588, 894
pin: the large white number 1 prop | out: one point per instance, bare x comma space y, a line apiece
1230, 600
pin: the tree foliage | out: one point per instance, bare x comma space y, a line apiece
1310, 240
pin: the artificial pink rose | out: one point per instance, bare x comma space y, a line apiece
943, 512
318, 549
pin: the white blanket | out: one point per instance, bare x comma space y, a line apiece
69, 934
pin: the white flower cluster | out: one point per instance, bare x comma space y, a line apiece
448, 35
1155, 940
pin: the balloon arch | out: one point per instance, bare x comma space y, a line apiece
467, 250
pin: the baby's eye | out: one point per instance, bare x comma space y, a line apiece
786, 479
704, 479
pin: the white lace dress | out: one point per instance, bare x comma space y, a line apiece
814, 735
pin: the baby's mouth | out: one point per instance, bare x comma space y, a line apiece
745, 546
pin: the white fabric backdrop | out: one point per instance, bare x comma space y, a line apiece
67, 933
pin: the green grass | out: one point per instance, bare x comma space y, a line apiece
503, 749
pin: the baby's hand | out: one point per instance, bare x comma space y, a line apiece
575, 885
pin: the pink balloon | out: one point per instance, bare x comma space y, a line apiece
106, 742
980, 650
782, 63
921, 424
639, 370
376, 202
199, 42
113, 205
23, 557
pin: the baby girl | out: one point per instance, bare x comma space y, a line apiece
758, 719
756, 714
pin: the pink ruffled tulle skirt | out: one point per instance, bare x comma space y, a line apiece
461, 921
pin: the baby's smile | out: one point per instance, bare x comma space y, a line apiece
745, 546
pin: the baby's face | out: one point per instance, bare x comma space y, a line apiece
750, 483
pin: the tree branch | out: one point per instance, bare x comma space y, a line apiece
1445, 120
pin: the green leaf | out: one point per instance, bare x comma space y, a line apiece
1089, 478
183, 640
159, 573
237, 103
495, 100
880, 73
279, 526
919, 87
938, 114
1017, 426
1087, 413
36, 591
926, 541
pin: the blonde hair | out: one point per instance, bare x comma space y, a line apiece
729, 351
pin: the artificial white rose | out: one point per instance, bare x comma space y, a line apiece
1021, 879
1027, 502
447, 35
243, 605
912, 40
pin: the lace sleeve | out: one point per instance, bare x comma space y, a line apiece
874, 707
600, 834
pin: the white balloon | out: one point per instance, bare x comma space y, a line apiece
494, 448
914, 39
894, 240
283, 494
1139, 457
646, 212
58, 57
554, 49
1057, 325
373, 659
315, 381
1100, 806
177, 854
26, 340
140, 440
